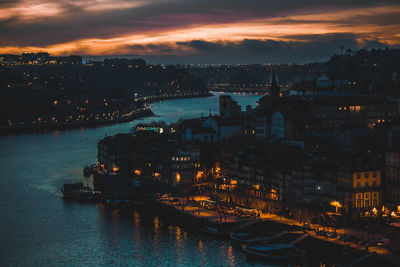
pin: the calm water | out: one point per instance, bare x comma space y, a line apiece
38, 228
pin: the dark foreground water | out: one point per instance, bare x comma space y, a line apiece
38, 228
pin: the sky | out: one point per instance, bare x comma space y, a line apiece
199, 31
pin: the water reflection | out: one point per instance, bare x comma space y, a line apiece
178, 235
179, 248
231, 257
136, 223
157, 229
38, 228
157, 225
201, 245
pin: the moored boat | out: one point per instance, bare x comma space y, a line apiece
127, 200
214, 231
279, 252
88, 170
241, 237
80, 192
255, 238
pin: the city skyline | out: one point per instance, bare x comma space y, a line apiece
200, 133
207, 32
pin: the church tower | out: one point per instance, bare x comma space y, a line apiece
274, 88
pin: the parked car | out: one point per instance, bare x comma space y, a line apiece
331, 234
321, 232
383, 242
173, 200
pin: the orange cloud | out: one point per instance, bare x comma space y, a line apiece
287, 28
29, 10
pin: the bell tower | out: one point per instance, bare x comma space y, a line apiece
274, 88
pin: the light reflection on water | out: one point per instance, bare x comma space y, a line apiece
38, 228
231, 256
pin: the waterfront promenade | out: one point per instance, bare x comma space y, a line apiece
384, 252
186, 207
183, 205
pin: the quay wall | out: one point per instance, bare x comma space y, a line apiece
177, 215
268, 206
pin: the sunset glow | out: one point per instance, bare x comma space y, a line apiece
99, 27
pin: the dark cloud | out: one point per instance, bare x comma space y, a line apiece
203, 46
75, 23
158, 16
313, 48
152, 48
373, 19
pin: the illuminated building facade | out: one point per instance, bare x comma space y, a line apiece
367, 189
116, 154
392, 189
183, 170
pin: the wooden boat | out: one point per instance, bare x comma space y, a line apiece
279, 252
255, 238
215, 232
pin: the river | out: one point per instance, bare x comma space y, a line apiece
38, 228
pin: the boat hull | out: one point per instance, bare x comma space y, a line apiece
273, 255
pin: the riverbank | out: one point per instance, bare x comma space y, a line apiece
183, 210
150, 99
245, 91
35, 166
127, 117
48, 127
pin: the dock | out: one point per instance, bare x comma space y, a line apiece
182, 208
